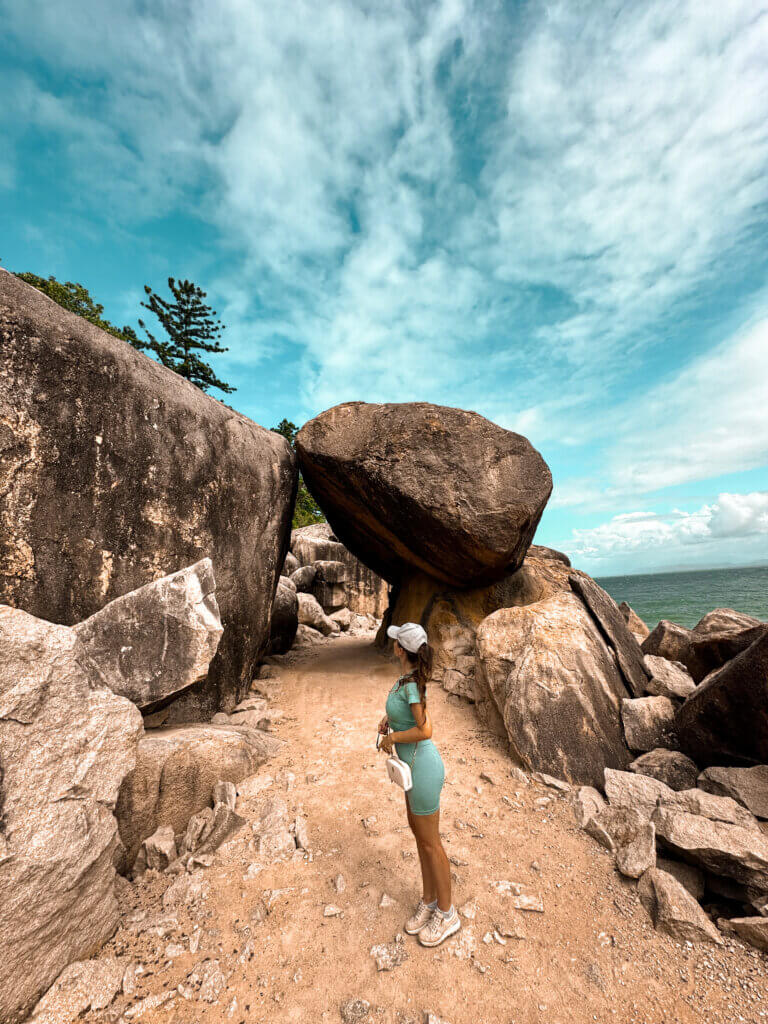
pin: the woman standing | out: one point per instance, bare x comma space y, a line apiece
435, 917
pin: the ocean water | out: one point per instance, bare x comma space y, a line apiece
683, 597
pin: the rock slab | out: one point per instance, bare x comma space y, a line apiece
673, 910
158, 640
66, 744
749, 786
424, 487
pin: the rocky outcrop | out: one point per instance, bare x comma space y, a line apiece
606, 614
66, 743
726, 719
649, 722
285, 618
708, 649
117, 471
673, 909
425, 488
671, 767
724, 620
365, 592
748, 786
311, 614
540, 551
177, 770
544, 673
156, 641
668, 678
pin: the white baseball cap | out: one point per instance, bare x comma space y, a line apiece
411, 636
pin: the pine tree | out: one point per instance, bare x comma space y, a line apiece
305, 511
191, 327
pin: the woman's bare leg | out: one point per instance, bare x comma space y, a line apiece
429, 886
426, 828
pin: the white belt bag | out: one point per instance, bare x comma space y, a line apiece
398, 771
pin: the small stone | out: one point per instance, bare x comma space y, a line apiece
534, 904
469, 910
543, 801
225, 793
389, 955
549, 780
753, 930
487, 777
331, 911
386, 901
339, 883
517, 774
353, 1011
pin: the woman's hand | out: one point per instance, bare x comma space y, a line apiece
384, 726
387, 743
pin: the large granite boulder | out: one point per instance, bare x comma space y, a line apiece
66, 743
724, 620
671, 767
708, 649
311, 614
177, 770
418, 487
451, 615
158, 640
285, 617
118, 472
366, 592
329, 585
645, 795
725, 720
544, 673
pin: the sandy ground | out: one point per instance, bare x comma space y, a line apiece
592, 955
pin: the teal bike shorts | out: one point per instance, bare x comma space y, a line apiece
428, 773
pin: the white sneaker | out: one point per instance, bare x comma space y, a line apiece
421, 918
439, 928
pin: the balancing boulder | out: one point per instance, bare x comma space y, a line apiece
424, 487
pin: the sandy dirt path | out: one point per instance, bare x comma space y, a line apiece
592, 955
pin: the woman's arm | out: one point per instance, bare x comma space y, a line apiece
422, 730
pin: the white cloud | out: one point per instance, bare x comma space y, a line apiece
732, 516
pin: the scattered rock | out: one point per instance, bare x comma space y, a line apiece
753, 930
587, 802
644, 794
354, 1011
628, 834
66, 743
456, 496
311, 614
389, 955
671, 767
339, 883
529, 902
641, 792
649, 722
176, 772
722, 848
673, 910
551, 782
343, 617
332, 911
225, 792
82, 986
157, 851
159, 640
668, 678
748, 786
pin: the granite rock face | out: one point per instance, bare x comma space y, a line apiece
66, 744
749, 786
176, 773
119, 472
637, 627
546, 672
366, 593
158, 640
418, 487
285, 618
708, 649
649, 722
725, 721
668, 678
671, 767
311, 614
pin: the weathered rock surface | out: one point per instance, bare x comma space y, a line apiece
668, 678
329, 586
722, 620
629, 835
753, 930
66, 743
726, 718
673, 910
553, 684
649, 722
303, 578
704, 651
748, 786
290, 565
285, 618
587, 802
540, 551
176, 772
611, 623
84, 985
158, 640
668, 766
366, 592
644, 794
625, 789
670, 641
720, 847
311, 614
637, 627
119, 472
688, 875
428, 488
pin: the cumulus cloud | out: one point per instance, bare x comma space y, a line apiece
732, 516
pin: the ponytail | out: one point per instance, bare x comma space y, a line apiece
422, 670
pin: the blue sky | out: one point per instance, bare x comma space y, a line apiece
553, 213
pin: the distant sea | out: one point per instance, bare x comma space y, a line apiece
683, 597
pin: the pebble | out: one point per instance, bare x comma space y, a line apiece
386, 901
339, 883
331, 911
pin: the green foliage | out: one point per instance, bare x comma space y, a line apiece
78, 299
191, 327
305, 511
